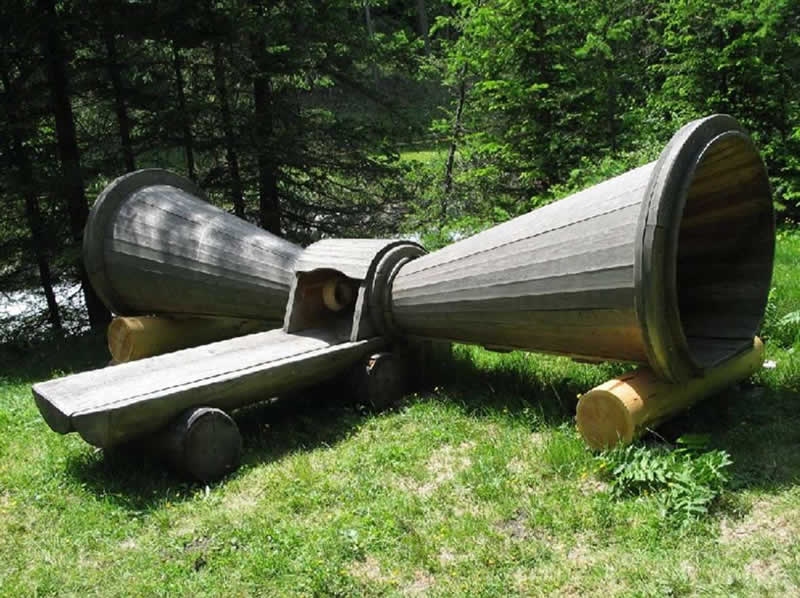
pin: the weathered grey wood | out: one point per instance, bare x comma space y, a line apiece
152, 245
381, 379
111, 405
358, 263
202, 442
668, 264
351, 257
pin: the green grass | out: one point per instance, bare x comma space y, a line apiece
425, 155
478, 487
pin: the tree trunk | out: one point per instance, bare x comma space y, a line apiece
188, 142
371, 34
32, 213
69, 154
422, 23
121, 110
227, 127
269, 213
448, 172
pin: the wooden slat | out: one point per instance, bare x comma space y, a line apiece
111, 405
510, 285
351, 257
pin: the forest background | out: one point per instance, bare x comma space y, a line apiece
432, 118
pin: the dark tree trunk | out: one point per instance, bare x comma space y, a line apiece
422, 23
371, 35
32, 213
227, 127
121, 110
269, 209
69, 154
183, 113
451, 155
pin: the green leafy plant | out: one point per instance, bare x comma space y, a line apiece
790, 325
685, 480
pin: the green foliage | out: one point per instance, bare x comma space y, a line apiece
686, 481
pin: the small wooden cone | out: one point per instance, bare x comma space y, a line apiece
623, 408
132, 338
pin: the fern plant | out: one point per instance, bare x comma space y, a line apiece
685, 480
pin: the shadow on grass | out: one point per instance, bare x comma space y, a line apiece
57, 355
137, 480
134, 478
759, 428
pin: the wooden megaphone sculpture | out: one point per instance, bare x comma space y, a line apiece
668, 265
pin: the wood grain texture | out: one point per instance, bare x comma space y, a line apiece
351, 257
355, 262
668, 264
111, 405
154, 247
559, 279
621, 409
136, 337
203, 443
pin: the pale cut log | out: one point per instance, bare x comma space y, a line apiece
202, 442
667, 265
112, 405
135, 337
153, 246
621, 409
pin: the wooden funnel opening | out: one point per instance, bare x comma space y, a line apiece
705, 249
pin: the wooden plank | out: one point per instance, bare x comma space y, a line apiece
111, 405
617, 194
351, 257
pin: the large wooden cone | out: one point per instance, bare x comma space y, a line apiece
153, 246
668, 264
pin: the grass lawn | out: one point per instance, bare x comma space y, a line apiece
479, 487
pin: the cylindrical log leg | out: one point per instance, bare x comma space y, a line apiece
202, 442
623, 408
380, 380
131, 338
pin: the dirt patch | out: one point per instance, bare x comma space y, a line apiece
515, 527
129, 544
448, 558
368, 570
445, 464
196, 545
422, 583
762, 522
243, 501
590, 485
764, 571
581, 555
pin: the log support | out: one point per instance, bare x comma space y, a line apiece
202, 443
621, 409
132, 338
